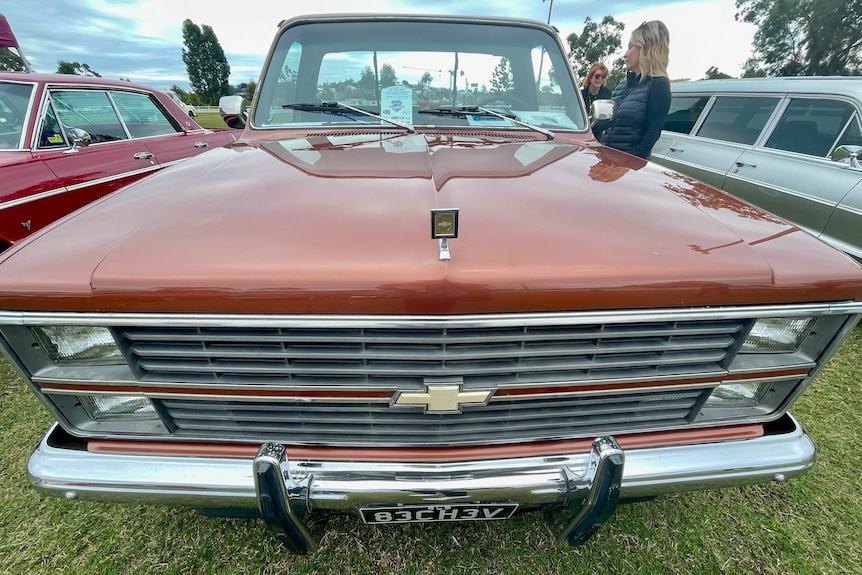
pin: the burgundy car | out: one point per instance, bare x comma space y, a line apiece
67, 140
419, 296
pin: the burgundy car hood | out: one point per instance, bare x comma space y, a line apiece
342, 224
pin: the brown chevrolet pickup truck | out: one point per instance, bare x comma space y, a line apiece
416, 289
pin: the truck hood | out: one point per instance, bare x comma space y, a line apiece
342, 224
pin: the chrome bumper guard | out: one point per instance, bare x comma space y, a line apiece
286, 492
285, 503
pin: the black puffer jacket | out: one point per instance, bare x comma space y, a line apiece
639, 114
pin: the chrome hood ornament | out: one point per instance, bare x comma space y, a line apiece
444, 225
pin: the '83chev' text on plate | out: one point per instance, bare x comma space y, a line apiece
436, 513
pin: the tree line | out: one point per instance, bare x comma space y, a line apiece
793, 38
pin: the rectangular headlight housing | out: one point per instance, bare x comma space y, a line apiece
101, 407
777, 334
738, 394
71, 344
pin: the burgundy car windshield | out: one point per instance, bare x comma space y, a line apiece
418, 73
14, 99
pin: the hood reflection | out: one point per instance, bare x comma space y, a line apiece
437, 156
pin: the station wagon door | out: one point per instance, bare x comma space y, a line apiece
150, 124
791, 174
844, 228
84, 173
721, 132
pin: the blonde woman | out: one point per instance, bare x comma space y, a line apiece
643, 99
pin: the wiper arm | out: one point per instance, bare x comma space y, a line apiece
344, 110
463, 111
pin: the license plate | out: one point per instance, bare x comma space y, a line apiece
437, 513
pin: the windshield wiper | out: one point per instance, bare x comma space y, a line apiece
463, 111
345, 110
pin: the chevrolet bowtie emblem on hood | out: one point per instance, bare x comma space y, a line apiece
444, 225
443, 397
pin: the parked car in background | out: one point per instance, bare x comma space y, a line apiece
414, 305
187, 108
67, 140
792, 146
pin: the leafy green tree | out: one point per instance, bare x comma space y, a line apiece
387, 76
75, 68
713, 74
751, 69
205, 62
597, 42
10, 61
502, 80
248, 92
805, 37
425, 80
368, 83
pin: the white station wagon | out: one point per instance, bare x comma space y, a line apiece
789, 145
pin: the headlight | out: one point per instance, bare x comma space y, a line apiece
739, 394
66, 344
777, 334
111, 406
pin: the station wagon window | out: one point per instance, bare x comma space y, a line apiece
14, 99
684, 112
141, 115
91, 111
50, 133
810, 126
737, 119
852, 135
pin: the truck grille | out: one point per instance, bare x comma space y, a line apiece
379, 356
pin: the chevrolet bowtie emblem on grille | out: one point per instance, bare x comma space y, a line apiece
443, 397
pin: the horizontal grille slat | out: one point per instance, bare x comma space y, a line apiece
421, 353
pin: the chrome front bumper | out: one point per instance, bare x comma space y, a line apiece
298, 488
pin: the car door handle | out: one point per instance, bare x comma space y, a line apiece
144, 156
201, 144
741, 164
676, 149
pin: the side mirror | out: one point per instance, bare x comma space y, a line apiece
849, 153
79, 137
233, 111
601, 111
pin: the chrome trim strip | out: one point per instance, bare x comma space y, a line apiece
705, 379
32, 198
33, 318
83, 185
345, 486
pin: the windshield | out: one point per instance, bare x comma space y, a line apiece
396, 69
14, 99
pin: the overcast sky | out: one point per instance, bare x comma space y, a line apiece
142, 39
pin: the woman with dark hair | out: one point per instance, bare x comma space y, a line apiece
594, 88
642, 101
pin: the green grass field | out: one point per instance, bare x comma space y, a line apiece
210, 120
812, 525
